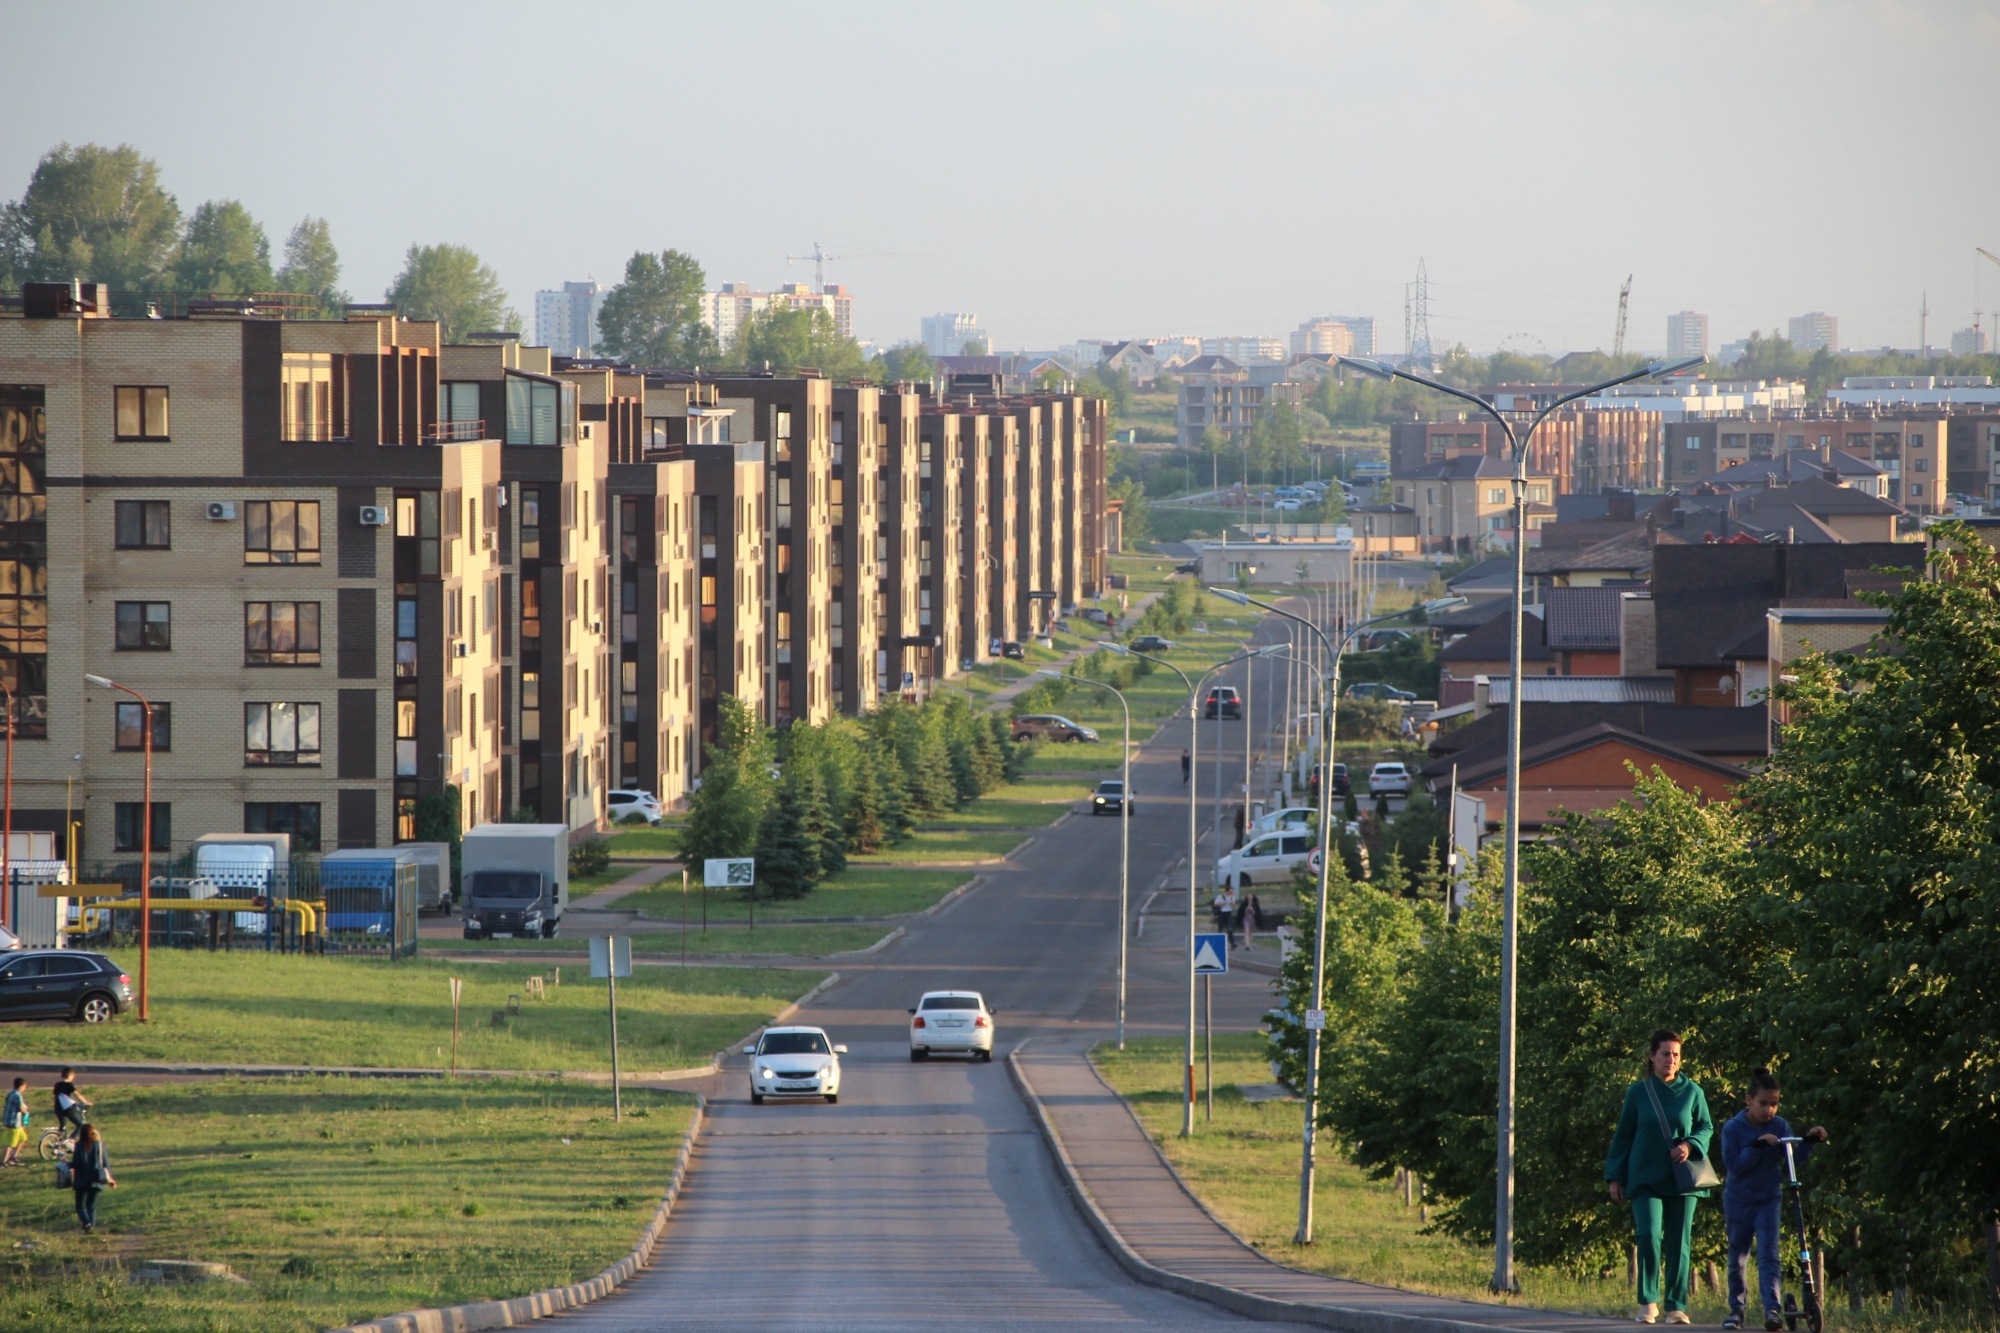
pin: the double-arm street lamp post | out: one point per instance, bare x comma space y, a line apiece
145, 844
1124, 834
1315, 1016
1503, 1213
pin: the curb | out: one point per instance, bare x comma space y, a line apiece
1228, 1298
876, 947
506, 1314
951, 897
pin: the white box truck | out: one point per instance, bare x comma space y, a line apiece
514, 879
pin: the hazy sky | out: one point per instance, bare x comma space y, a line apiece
1099, 168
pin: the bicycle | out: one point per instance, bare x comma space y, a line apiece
58, 1142
1813, 1313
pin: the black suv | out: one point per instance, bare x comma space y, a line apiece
62, 983
1223, 701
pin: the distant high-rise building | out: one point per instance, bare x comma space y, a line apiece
1815, 330
947, 334
727, 309
1335, 335
1974, 341
1687, 334
566, 321
1244, 350
1731, 353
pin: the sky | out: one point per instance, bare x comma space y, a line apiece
1093, 168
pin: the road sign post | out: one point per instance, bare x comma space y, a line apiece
1211, 959
735, 872
611, 958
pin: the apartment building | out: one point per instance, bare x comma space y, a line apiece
1583, 452
1813, 330
566, 320
1687, 334
1919, 457
1214, 391
306, 534
855, 519
974, 566
729, 513
732, 306
1003, 585
1465, 503
897, 522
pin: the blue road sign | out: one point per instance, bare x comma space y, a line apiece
1211, 954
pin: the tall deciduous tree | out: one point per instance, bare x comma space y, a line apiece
725, 814
312, 265
653, 318
92, 212
224, 250
786, 339
449, 284
907, 361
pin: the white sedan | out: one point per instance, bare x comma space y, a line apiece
952, 1020
794, 1062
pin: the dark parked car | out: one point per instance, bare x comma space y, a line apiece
1014, 651
1152, 643
1223, 700
1188, 567
1375, 689
62, 983
1049, 727
1110, 797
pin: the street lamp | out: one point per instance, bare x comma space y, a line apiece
1503, 1210
1315, 1016
7, 847
145, 843
1124, 833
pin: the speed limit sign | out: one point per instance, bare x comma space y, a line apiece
1313, 860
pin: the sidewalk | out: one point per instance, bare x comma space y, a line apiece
1161, 1235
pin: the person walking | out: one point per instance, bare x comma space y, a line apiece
14, 1120
1658, 1162
1187, 767
1755, 1157
1253, 917
89, 1176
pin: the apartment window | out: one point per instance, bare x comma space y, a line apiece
531, 705
298, 818
1728, 442
281, 633
1916, 490
142, 411
145, 627
1538, 494
281, 532
406, 636
130, 730
144, 525
539, 412
281, 734
458, 400
306, 392
406, 738
1690, 468
1923, 465
1496, 495
128, 821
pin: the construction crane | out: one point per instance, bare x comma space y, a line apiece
1618, 338
819, 258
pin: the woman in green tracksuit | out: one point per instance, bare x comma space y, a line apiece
1639, 1168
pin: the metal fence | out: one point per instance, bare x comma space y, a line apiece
364, 907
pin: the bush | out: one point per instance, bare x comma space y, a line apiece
589, 856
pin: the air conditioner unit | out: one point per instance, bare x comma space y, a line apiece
221, 511
374, 516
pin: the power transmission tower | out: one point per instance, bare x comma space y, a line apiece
1417, 321
1618, 338
1924, 325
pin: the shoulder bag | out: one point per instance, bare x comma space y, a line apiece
1696, 1173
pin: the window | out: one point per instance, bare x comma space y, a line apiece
142, 412
145, 627
143, 525
1916, 490
306, 397
1689, 468
298, 818
281, 633
539, 412
1496, 495
458, 400
130, 732
1923, 465
1538, 494
284, 734
281, 532
129, 825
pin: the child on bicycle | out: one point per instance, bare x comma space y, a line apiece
15, 1121
70, 1104
1755, 1161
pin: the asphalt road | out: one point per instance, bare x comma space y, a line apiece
925, 1199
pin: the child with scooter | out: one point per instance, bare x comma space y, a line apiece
1756, 1144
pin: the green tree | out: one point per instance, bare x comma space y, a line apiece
786, 340
653, 318
224, 250
973, 347
727, 810
865, 830
449, 284
312, 265
794, 835
92, 212
907, 362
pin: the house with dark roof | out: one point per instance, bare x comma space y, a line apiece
1835, 465
1771, 505
1582, 629
1622, 560
1588, 771
1486, 650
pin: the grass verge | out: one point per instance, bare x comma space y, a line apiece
1244, 1166
945, 847
998, 815
865, 890
338, 1200
285, 1009
809, 941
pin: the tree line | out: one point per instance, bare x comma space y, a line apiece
803, 799
1838, 920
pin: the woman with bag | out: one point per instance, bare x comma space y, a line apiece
89, 1175
1659, 1163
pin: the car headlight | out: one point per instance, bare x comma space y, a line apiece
766, 1072
1100, 800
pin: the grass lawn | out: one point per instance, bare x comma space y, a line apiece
651, 843
338, 1200
1057, 790
256, 1008
990, 813
946, 847
865, 890
1075, 758
1245, 1165
809, 941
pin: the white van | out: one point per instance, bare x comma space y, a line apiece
1267, 858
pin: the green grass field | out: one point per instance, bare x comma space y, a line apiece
254, 1008
808, 941
1245, 1165
865, 890
999, 814
338, 1200
945, 848
650, 843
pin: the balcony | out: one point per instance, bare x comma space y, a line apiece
454, 432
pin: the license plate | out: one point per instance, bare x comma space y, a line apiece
951, 1022
501, 934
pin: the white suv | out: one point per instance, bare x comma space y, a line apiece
952, 1020
1389, 779
619, 804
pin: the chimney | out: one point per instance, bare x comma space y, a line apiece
1830, 475
1620, 507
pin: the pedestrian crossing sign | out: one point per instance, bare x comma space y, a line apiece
1211, 954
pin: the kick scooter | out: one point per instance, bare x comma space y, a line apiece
1813, 1313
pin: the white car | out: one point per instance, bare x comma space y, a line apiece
1291, 819
1389, 779
794, 1062
619, 804
1267, 858
952, 1020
